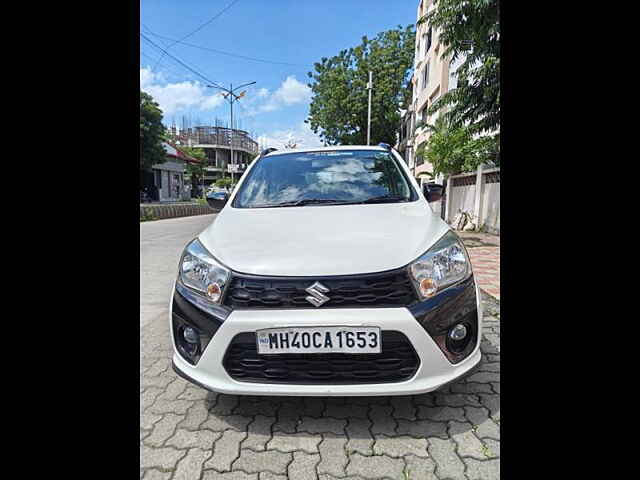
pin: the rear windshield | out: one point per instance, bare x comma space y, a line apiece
323, 178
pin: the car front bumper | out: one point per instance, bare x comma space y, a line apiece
435, 369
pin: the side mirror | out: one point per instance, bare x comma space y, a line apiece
217, 200
432, 192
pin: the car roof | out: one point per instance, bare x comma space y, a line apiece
332, 148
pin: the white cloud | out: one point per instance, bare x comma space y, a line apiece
290, 92
301, 135
173, 97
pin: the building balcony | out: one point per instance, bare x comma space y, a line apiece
219, 137
209, 137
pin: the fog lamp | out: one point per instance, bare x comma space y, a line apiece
458, 332
190, 335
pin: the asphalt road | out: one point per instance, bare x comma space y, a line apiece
188, 433
161, 243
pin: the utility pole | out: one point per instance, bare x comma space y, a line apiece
231, 132
231, 97
369, 87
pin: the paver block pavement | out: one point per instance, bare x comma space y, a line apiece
292, 442
225, 451
379, 466
484, 252
256, 462
400, 446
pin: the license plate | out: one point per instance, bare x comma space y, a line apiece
319, 340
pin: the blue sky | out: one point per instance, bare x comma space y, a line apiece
295, 33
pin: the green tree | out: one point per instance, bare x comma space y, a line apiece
195, 170
223, 182
452, 150
151, 132
470, 29
338, 110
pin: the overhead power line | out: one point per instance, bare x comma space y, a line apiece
203, 25
223, 52
210, 20
157, 62
150, 58
192, 70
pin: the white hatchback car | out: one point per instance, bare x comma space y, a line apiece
326, 272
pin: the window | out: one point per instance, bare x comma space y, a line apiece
428, 41
421, 117
425, 75
424, 114
419, 158
325, 177
453, 67
435, 96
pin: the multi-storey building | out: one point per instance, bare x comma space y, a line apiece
432, 77
405, 133
216, 143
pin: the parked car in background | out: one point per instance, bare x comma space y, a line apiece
219, 195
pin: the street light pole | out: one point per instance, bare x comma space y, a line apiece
231, 134
369, 87
230, 95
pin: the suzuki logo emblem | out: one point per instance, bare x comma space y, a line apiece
317, 295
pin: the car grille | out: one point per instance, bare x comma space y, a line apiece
397, 362
387, 289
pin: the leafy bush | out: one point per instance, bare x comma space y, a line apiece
452, 150
146, 215
223, 182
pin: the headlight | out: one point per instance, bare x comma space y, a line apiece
201, 272
443, 265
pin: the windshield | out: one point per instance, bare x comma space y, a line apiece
328, 177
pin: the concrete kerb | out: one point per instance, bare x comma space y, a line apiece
161, 212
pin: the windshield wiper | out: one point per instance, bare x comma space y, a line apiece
328, 201
385, 199
306, 201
